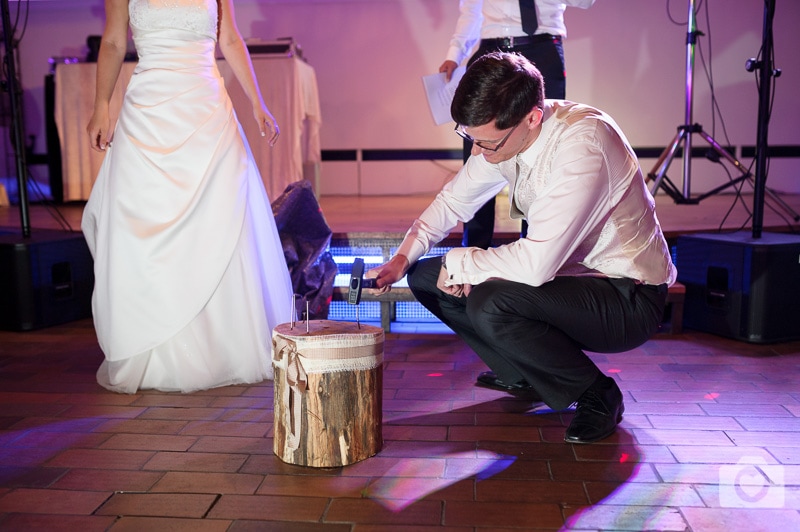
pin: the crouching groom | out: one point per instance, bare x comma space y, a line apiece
592, 272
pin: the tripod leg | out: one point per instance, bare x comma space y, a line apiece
724, 153
728, 157
664, 160
746, 174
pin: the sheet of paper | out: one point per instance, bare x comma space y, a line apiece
440, 94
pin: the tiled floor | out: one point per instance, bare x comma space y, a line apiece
455, 457
710, 440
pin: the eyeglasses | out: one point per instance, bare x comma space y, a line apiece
483, 144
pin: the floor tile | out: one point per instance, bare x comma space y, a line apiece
191, 505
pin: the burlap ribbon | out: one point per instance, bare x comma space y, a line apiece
288, 359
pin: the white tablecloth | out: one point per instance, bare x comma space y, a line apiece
289, 86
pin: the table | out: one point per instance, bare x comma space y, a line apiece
289, 86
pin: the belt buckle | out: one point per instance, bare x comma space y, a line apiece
507, 42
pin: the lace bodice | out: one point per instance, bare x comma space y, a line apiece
198, 16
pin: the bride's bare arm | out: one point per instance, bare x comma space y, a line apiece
232, 46
113, 45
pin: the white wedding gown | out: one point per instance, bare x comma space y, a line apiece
190, 277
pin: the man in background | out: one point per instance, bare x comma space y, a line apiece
532, 28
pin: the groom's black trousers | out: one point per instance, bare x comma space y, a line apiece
539, 334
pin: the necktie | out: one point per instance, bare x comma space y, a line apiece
528, 11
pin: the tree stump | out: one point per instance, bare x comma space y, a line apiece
328, 392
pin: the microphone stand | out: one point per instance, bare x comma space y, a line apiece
18, 139
766, 72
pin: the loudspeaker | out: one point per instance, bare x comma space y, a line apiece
45, 280
741, 287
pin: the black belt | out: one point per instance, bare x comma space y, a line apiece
511, 42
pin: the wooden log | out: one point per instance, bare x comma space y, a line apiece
328, 392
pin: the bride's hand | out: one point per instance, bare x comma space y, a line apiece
99, 131
267, 125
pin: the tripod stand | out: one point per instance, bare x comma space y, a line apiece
684, 137
658, 175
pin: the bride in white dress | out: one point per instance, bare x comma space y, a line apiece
190, 277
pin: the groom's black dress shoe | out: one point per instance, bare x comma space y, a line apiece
488, 379
599, 410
